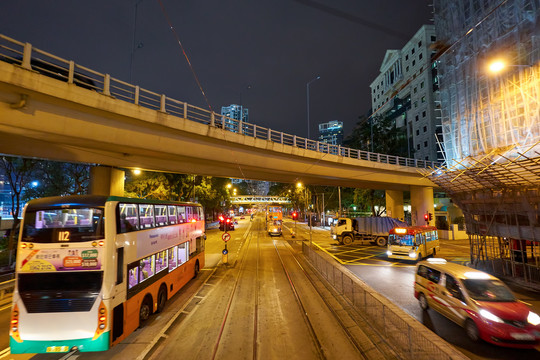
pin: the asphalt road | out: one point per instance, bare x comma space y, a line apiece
164, 336
395, 279
261, 305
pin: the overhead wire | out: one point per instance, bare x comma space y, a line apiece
173, 30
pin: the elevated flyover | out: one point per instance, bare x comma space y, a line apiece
118, 124
55, 109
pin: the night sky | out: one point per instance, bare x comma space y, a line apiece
257, 53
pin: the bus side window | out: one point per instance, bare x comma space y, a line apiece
189, 213
201, 213
128, 218
146, 215
133, 274
173, 219
161, 215
181, 210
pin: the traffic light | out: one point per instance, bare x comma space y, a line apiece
430, 216
295, 215
426, 216
227, 224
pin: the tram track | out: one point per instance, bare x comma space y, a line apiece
344, 327
262, 305
233, 293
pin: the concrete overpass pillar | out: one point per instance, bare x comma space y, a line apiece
106, 180
422, 202
394, 204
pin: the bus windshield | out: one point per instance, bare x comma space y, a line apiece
401, 240
63, 225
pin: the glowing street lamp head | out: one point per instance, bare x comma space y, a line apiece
497, 66
299, 184
137, 171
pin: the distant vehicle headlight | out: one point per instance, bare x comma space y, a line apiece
490, 316
533, 318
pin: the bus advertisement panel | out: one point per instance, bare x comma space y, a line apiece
91, 269
412, 242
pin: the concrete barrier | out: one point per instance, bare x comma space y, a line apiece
406, 335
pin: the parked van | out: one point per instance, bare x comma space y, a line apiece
477, 301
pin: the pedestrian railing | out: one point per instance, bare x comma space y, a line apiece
24, 55
408, 337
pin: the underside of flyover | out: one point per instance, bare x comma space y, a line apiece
46, 118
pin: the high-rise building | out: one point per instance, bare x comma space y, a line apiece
236, 112
406, 90
331, 132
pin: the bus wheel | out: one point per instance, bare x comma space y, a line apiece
423, 301
381, 241
196, 269
145, 311
161, 298
347, 240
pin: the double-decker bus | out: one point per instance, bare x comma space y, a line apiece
91, 269
274, 219
412, 242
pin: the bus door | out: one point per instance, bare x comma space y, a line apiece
421, 243
120, 295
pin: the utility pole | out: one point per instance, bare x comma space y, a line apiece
339, 201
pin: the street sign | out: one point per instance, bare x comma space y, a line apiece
226, 237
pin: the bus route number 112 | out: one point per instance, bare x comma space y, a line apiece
63, 236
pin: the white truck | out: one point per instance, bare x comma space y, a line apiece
364, 229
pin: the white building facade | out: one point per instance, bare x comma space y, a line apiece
407, 90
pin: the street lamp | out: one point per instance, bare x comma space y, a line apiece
499, 65
307, 91
133, 46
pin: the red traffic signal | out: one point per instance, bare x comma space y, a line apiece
426, 216
294, 215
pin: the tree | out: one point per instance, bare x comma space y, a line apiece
18, 172
210, 192
369, 199
58, 179
148, 185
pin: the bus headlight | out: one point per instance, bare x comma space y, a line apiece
334, 236
388, 252
412, 254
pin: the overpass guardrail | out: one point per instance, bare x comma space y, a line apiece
24, 55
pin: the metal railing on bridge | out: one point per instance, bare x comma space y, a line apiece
252, 199
30, 58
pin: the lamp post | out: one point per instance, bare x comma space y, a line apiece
133, 47
307, 91
499, 65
